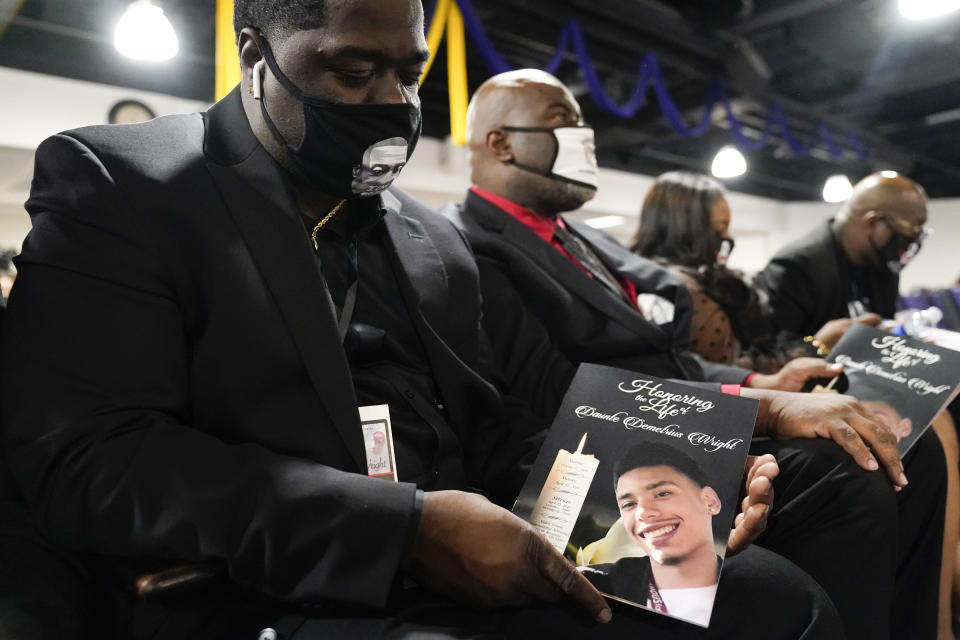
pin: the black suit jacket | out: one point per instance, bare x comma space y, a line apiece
544, 315
175, 386
810, 281
627, 579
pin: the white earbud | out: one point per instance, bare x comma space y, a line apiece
258, 80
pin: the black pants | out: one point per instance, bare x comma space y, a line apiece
760, 596
876, 552
45, 594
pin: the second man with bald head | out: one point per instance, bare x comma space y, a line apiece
849, 265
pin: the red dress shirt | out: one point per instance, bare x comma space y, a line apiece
543, 226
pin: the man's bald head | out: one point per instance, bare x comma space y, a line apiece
885, 207
494, 102
501, 157
889, 192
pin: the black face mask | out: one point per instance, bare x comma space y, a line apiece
899, 251
347, 150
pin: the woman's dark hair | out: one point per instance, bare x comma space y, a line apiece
675, 230
277, 18
675, 220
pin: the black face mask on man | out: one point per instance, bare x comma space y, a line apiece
898, 252
900, 249
347, 150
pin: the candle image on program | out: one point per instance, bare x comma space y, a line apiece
561, 499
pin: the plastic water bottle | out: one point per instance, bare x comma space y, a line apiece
913, 322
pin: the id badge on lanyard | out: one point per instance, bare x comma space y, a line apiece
378, 442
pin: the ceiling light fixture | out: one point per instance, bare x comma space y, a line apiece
144, 33
924, 9
837, 188
728, 163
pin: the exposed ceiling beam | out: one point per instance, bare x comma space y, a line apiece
881, 146
799, 188
786, 12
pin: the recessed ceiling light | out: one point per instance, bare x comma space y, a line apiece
144, 33
924, 9
837, 189
728, 163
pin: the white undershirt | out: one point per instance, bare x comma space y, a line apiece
693, 604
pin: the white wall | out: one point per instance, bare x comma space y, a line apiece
938, 264
35, 106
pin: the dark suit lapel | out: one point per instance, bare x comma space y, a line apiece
554, 264
647, 275
418, 268
413, 252
277, 241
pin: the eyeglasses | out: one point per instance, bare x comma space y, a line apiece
900, 226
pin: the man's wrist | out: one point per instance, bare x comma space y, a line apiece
765, 417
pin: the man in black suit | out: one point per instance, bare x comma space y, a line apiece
850, 265
552, 285
204, 302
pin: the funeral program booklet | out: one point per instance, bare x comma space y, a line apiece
638, 483
905, 382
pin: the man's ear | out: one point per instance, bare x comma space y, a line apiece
710, 500
248, 48
499, 144
871, 218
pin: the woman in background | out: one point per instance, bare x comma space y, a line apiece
684, 225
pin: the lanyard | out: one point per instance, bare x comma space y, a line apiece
856, 306
654, 597
345, 315
350, 300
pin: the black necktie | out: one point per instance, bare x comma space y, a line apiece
586, 257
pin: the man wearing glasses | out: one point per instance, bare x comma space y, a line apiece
849, 267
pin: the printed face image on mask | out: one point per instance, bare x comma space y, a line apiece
382, 162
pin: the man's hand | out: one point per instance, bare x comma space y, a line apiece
786, 415
830, 332
756, 505
795, 374
477, 552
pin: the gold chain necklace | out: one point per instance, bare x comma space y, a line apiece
326, 219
